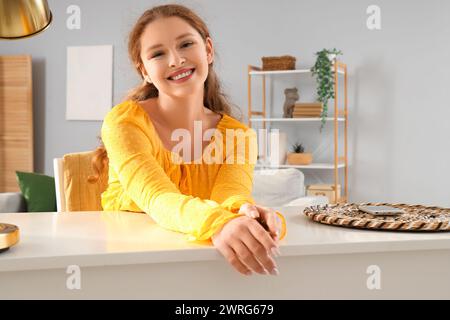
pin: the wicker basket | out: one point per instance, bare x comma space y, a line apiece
415, 218
278, 63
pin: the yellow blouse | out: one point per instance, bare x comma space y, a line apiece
194, 198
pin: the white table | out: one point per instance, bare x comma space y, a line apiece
126, 255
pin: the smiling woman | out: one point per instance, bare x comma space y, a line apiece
172, 50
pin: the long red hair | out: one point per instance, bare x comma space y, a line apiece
214, 99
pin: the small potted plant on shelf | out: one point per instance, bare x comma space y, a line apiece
298, 156
323, 71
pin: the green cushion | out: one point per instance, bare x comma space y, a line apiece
38, 191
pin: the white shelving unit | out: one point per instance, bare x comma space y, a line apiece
340, 117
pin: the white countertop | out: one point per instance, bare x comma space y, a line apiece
57, 240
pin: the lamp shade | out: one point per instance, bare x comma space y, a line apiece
23, 18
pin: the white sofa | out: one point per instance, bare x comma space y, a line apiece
282, 187
12, 202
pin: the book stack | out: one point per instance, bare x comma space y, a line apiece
307, 110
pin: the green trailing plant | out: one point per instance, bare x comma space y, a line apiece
323, 70
298, 148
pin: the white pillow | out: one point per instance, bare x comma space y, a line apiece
276, 187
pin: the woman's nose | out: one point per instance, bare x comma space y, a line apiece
176, 59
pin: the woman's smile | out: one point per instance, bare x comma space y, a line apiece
183, 77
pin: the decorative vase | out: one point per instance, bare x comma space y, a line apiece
299, 158
291, 97
278, 147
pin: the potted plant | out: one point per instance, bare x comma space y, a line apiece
298, 156
323, 71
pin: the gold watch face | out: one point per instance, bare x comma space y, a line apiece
9, 235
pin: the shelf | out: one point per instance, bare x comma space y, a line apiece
327, 166
260, 73
294, 119
336, 119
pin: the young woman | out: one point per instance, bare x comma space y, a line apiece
172, 51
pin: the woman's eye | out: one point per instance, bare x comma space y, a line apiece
187, 44
157, 54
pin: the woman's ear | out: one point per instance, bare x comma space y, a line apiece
209, 50
144, 74
147, 79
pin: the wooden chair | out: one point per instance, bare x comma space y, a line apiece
73, 190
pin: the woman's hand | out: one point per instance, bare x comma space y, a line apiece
247, 246
266, 216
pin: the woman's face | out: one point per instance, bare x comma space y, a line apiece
169, 45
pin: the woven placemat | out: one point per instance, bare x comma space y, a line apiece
415, 218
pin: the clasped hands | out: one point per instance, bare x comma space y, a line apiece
250, 242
